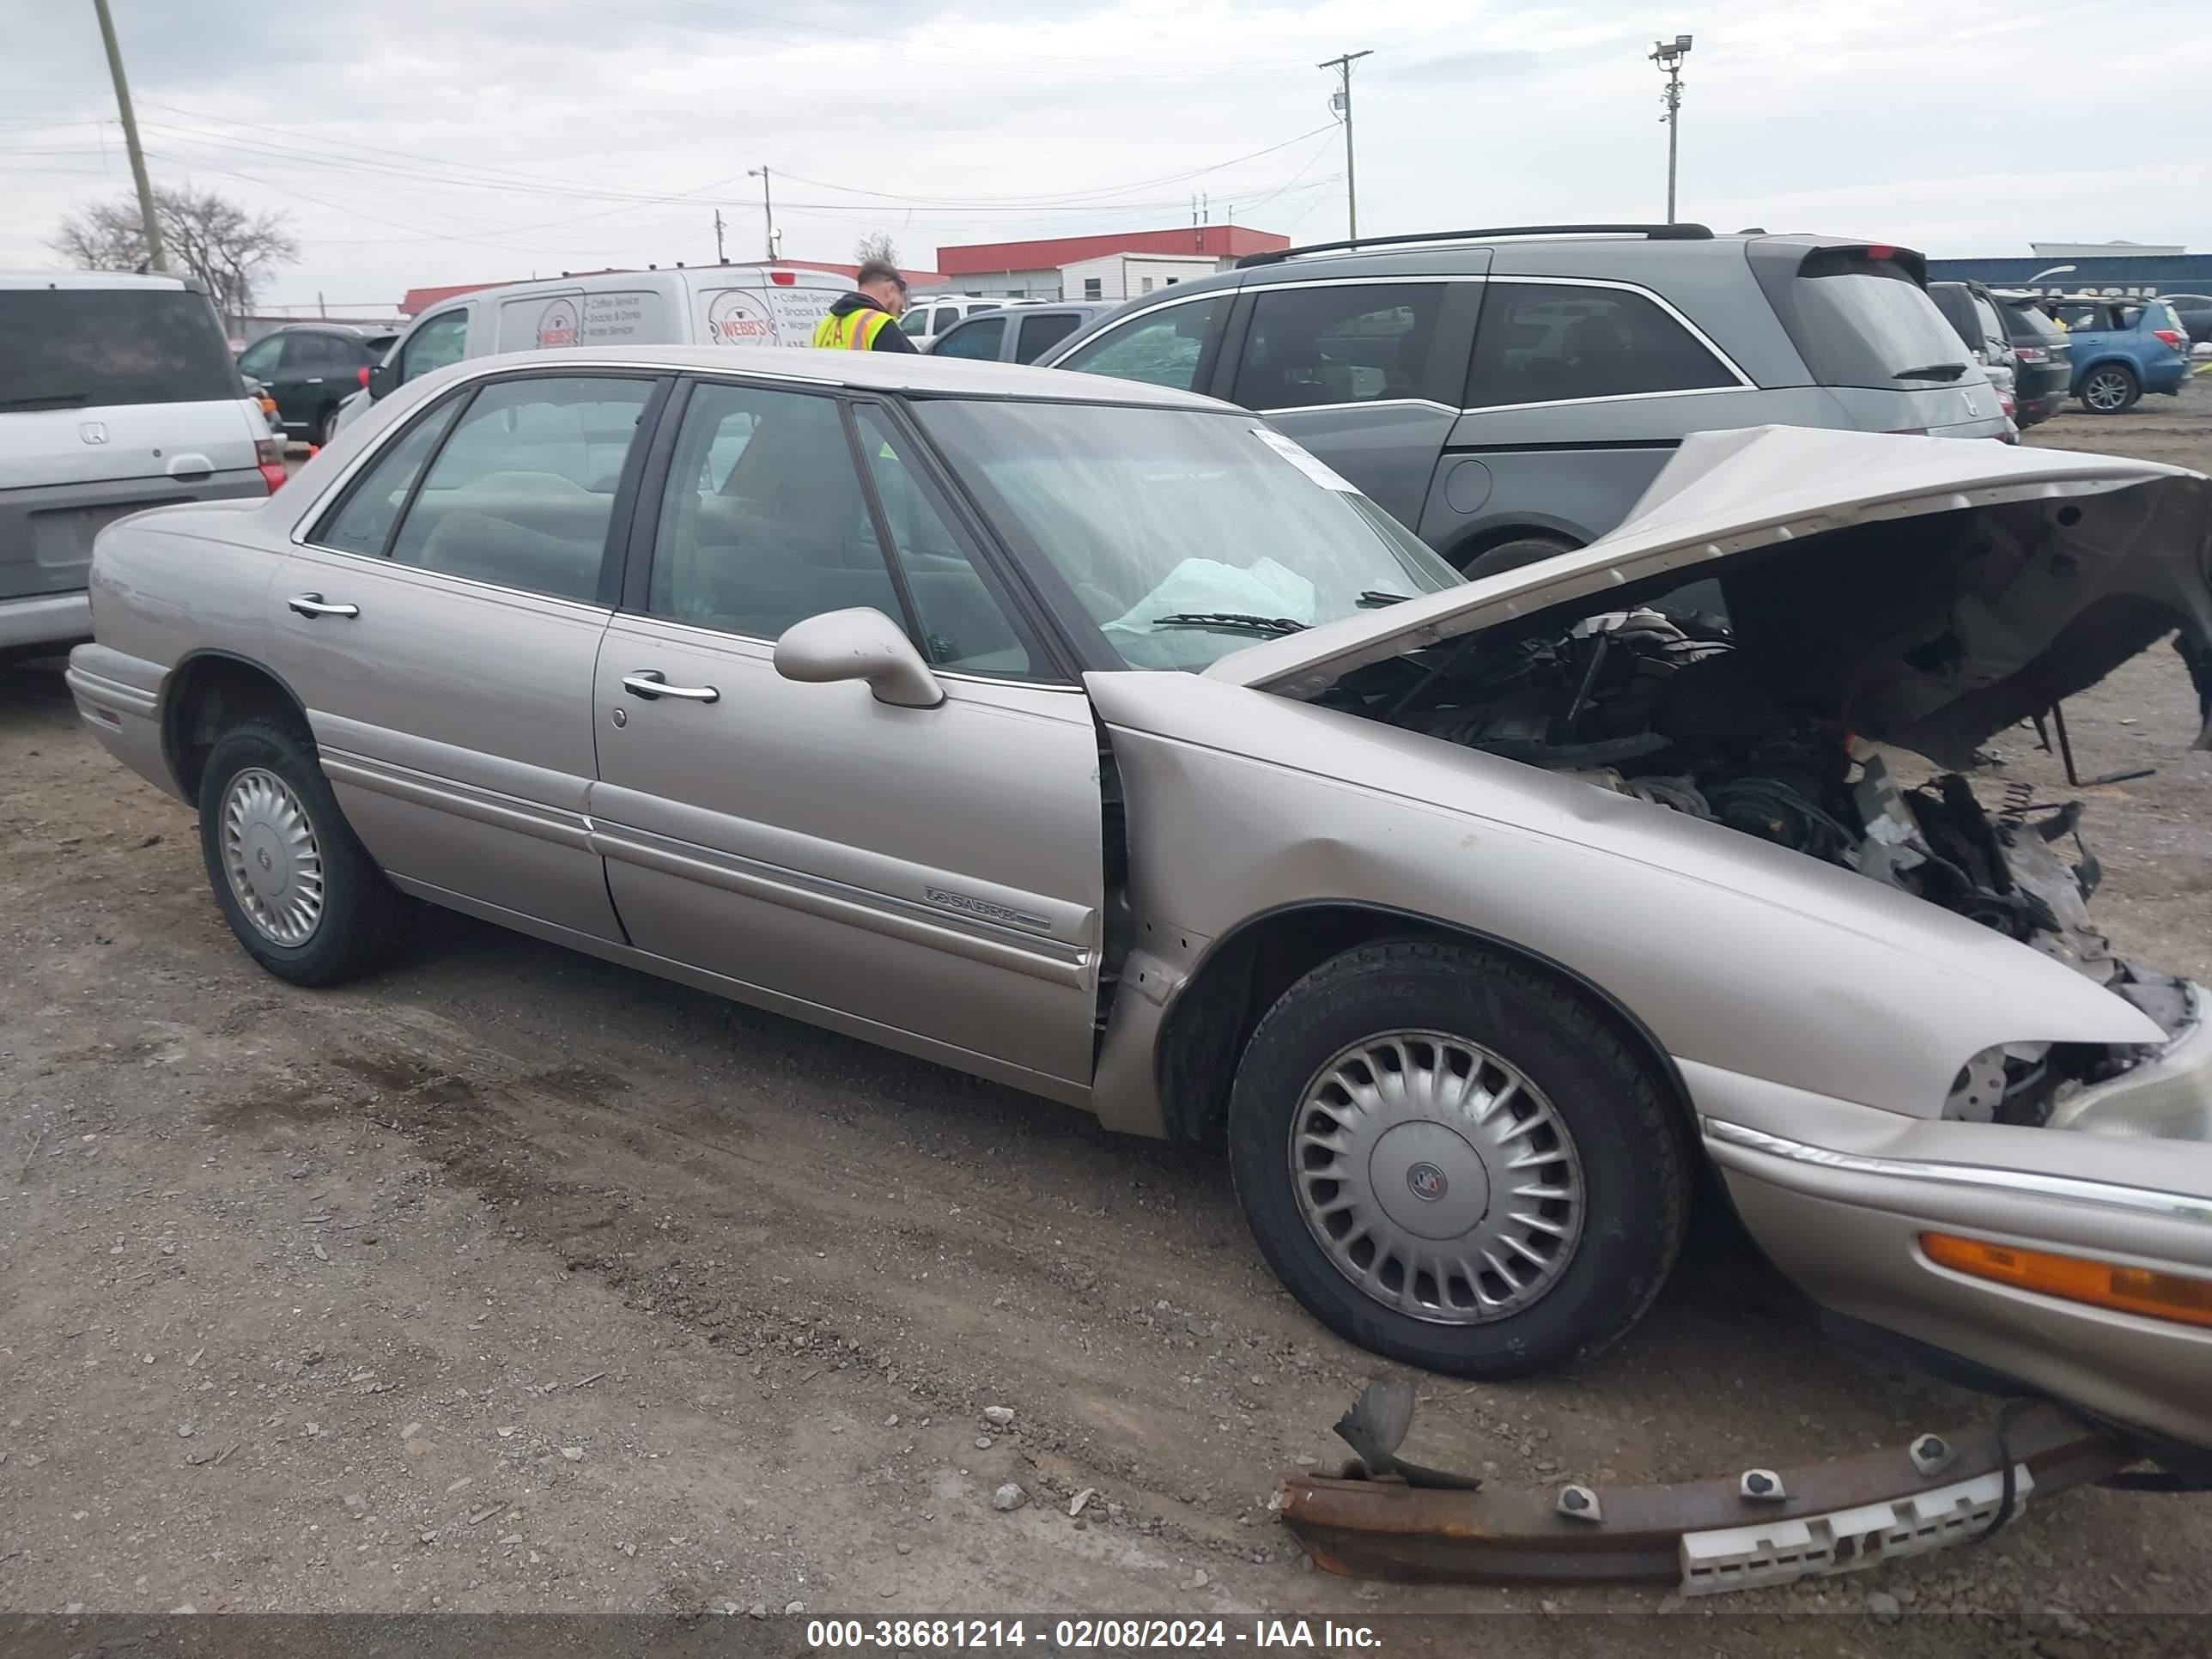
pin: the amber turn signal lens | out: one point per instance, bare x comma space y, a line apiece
2076, 1279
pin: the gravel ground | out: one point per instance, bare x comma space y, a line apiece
512, 1281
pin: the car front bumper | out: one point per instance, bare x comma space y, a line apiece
1840, 1195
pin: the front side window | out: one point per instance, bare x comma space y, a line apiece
522, 492
781, 533
916, 322
961, 622
1183, 535
1327, 344
975, 340
1540, 342
438, 344
259, 358
1161, 348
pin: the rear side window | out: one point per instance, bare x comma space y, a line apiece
521, 493
363, 522
1860, 320
94, 348
1541, 343
2027, 325
976, 339
1320, 344
1161, 348
1038, 335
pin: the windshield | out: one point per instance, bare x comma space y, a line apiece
1860, 320
76, 348
1183, 535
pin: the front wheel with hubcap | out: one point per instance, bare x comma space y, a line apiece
1453, 1160
299, 892
2109, 388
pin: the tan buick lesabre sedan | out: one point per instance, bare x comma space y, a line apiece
1097, 738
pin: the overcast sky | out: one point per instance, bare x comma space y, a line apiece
421, 142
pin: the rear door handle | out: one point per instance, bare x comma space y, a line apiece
311, 604
651, 684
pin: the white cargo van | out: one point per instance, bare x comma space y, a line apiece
723, 305
116, 392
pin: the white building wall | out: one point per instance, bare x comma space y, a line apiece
1131, 275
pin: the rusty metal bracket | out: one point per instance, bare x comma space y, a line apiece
1367, 1527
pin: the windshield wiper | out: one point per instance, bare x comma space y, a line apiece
1229, 622
1375, 598
50, 400
1931, 372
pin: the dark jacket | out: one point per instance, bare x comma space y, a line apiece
891, 338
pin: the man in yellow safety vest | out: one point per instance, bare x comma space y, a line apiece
866, 319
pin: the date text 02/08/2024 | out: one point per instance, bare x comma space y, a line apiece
918, 1635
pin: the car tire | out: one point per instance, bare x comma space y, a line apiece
1511, 556
1588, 1096
299, 890
326, 426
2110, 389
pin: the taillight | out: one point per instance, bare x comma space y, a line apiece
364, 377
2170, 336
2031, 354
269, 458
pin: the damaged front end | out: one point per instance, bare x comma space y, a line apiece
1672, 710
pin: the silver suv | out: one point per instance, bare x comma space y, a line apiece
116, 392
1510, 394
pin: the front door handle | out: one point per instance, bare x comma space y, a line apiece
651, 684
311, 604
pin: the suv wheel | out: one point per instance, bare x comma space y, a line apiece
1452, 1161
2109, 388
1511, 556
296, 884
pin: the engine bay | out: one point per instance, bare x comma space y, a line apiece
1665, 708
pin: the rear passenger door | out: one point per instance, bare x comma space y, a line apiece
1578, 393
1364, 374
440, 621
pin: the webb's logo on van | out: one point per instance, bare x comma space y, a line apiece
92, 432
556, 327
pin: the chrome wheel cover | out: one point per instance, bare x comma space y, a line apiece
271, 856
1437, 1178
2105, 390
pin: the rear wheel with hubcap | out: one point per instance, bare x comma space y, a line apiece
297, 889
1453, 1160
2109, 388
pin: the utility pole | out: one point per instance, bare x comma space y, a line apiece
156, 257
767, 207
720, 257
1341, 103
1668, 55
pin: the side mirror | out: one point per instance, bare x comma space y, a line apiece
380, 380
859, 644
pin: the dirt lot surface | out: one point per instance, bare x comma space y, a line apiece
514, 1281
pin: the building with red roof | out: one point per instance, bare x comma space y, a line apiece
1114, 267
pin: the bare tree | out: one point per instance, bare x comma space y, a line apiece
876, 245
229, 248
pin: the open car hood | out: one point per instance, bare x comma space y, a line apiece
1925, 591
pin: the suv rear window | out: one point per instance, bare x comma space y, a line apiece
2027, 325
1861, 319
63, 348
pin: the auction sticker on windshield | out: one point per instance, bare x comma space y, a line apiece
1305, 462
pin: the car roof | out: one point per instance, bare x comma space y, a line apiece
862, 371
97, 279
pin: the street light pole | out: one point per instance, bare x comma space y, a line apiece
1342, 104
156, 256
767, 207
1668, 55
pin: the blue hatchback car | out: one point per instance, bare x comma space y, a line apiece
2122, 349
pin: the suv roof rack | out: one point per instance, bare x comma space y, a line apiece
1677, 232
